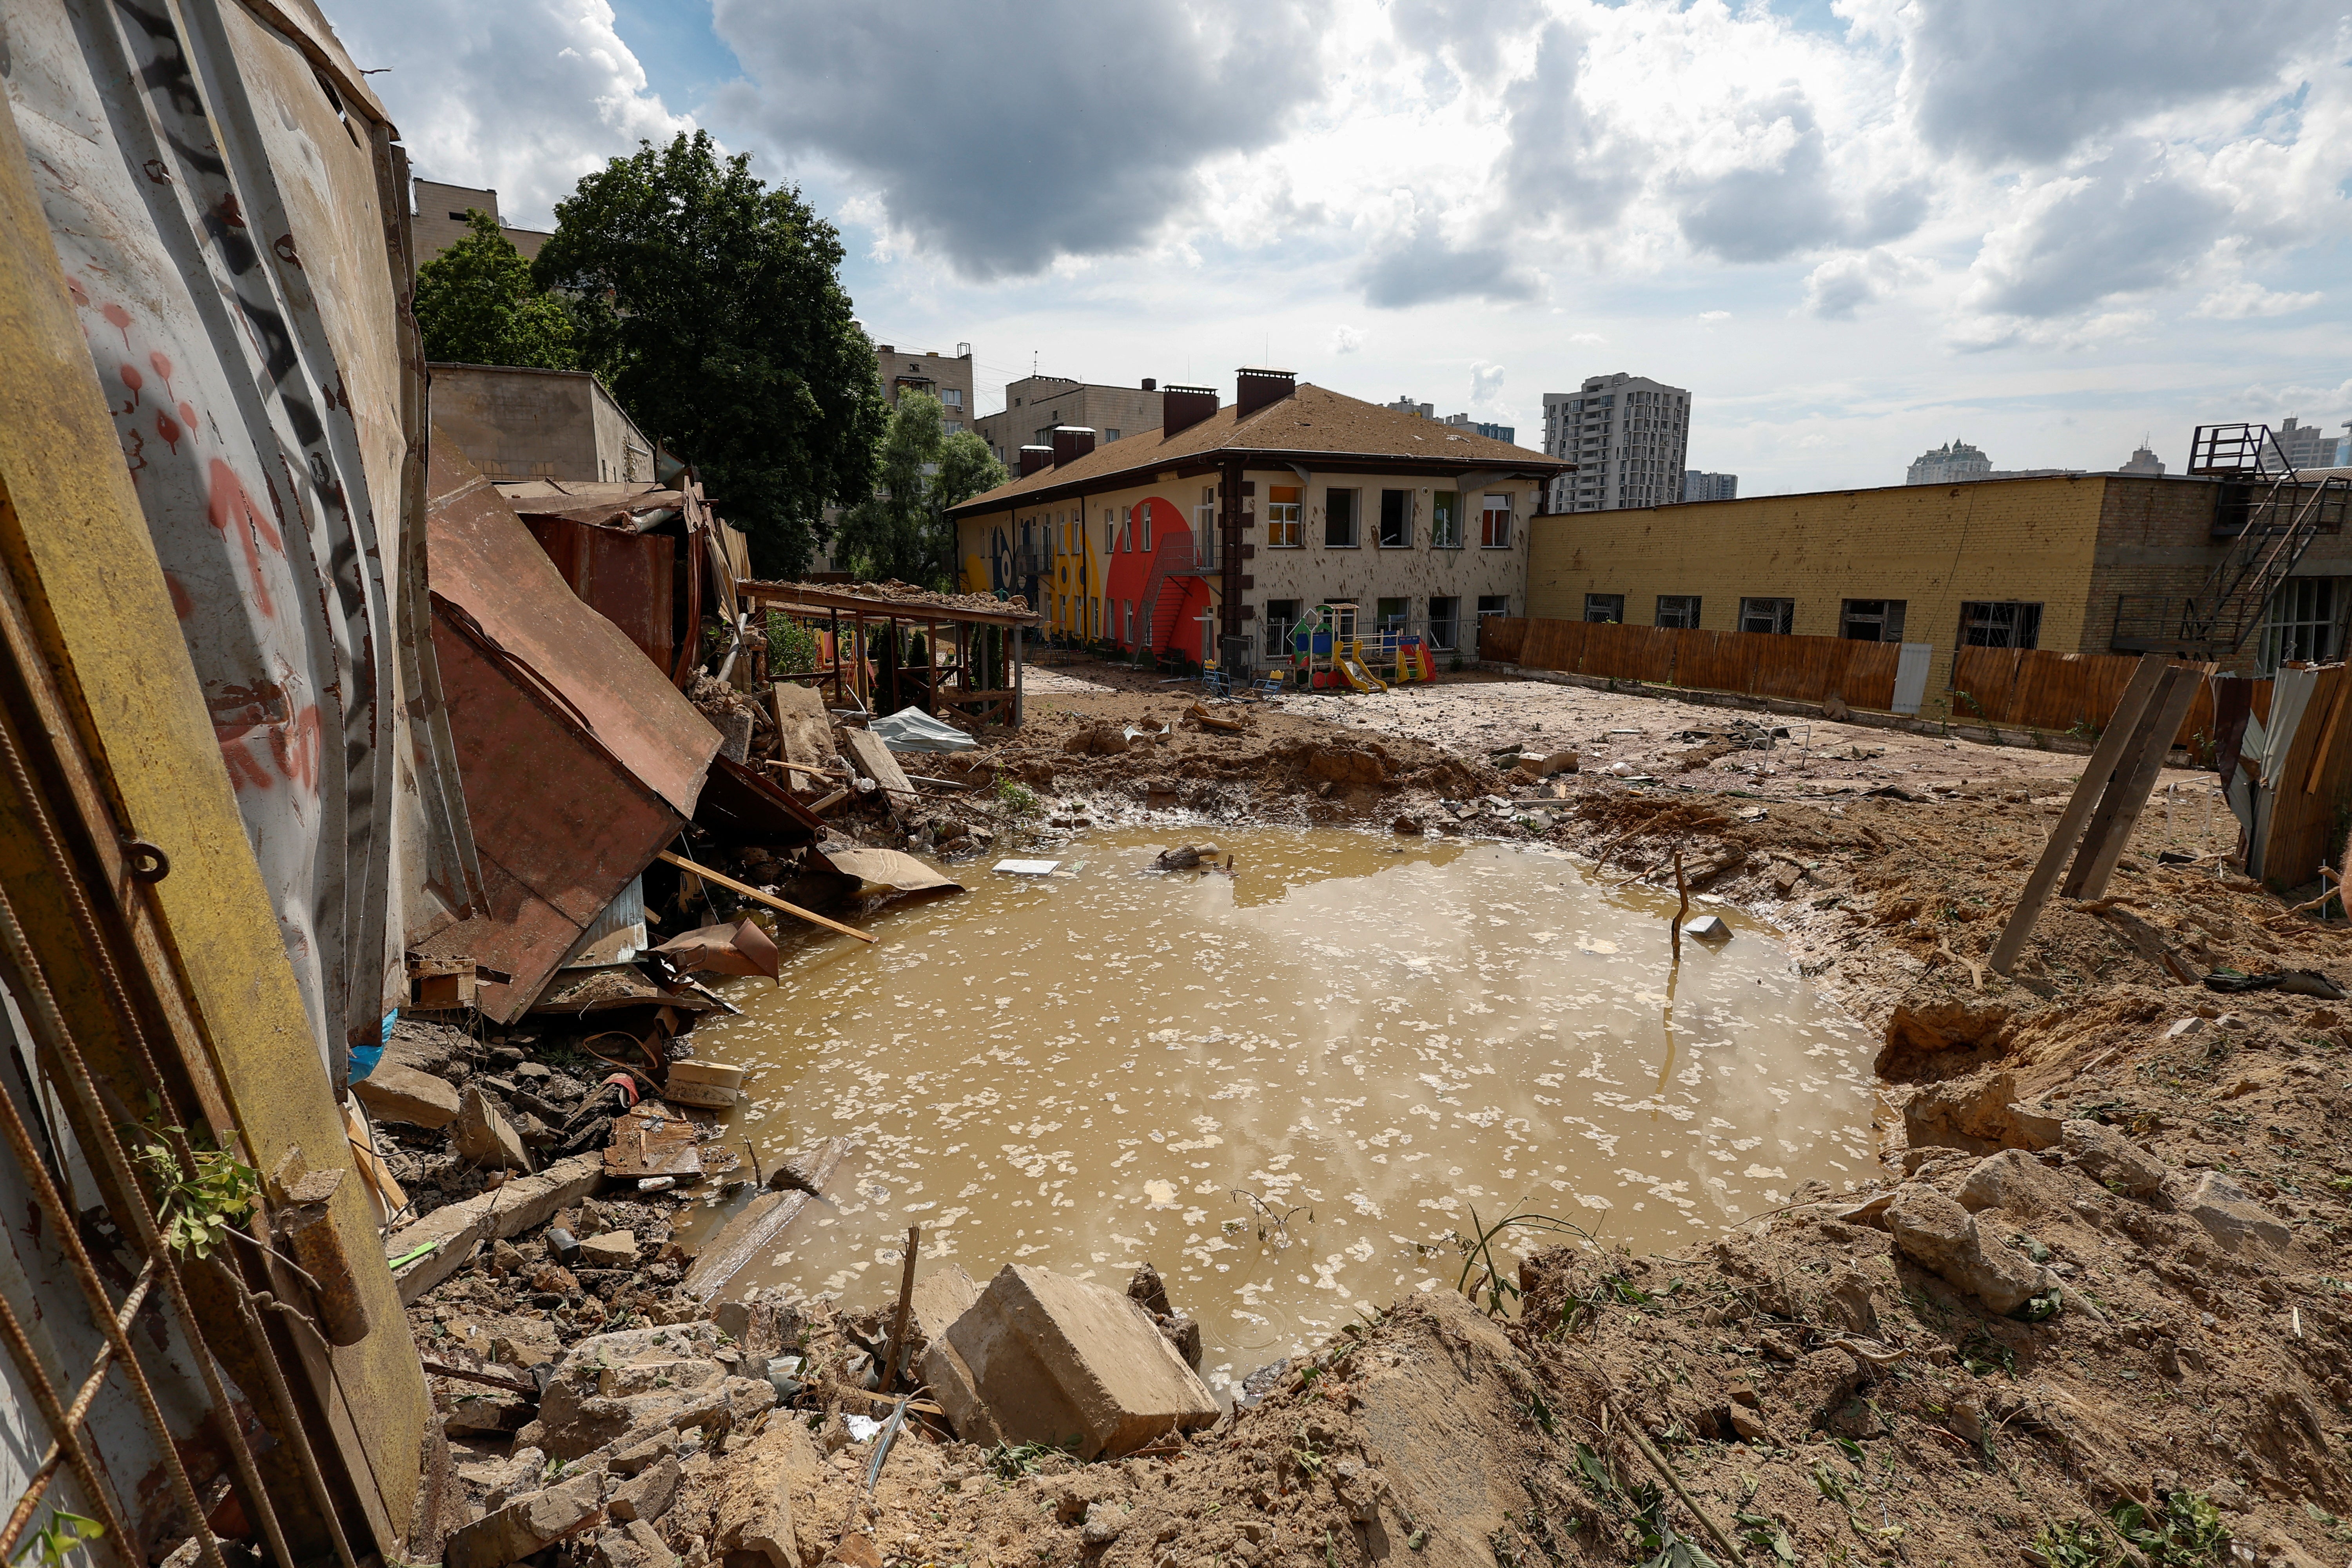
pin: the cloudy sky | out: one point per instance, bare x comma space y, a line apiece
1853, 228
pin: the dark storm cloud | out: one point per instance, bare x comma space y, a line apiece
2127, 226
1005, 133
1424, 269
2029, 81
1561, 162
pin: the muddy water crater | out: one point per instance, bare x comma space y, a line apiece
1289, 1087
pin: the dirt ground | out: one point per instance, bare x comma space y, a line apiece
2178, 1391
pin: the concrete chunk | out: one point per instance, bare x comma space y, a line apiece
1060, 1360
484, 1136
649, 1496
527, 1524
943, 1293
2233, 1218
2014, 1182
1934, 1231
613, 1249
950, 1384
524, 1202
397, 1093
2112, 1160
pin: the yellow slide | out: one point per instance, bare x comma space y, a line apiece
1359, 677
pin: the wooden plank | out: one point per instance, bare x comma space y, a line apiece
2068, 831
869, 756
774, 902
751, 1235
1869, 678
2300, 821
652, 1140
2126, 795
803, 727
1501, 637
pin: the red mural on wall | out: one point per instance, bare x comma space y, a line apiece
1162, 582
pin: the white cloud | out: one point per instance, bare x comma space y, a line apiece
1711, 317
521, 96
1486, 382
1346, 340
2243, 297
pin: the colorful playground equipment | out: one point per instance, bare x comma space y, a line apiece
1327, 651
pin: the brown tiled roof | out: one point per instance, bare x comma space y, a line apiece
1314, 422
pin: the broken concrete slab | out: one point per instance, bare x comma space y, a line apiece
484, 1136
1934, 1231
2112, 1160
872, 759
648, 1495
1056, 1359
522, 1204
2233, 1218
613, 1249
397, 1093
1977, 1115
943, 1292
952, 1384
2015, 1182
755, 1513
528, 1525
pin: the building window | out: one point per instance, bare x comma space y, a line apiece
1871, 620
1126, 620
1999, 624
1445, 521
1770, 617
1339, 519
1494, 524
1204, 516
1445, 623
1111, 434
1281, 614
2301, 625
1396, 520
1679, 610
1609, 609
1282, 526
1143, 517
1389, 614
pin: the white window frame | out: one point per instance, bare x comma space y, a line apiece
1486, 508
1285, 517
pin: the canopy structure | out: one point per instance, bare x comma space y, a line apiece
978, 681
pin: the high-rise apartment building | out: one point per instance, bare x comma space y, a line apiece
1699, 486
1488, 429
1949, 464
947, 378
1627, 434
2311, 446
1036, 404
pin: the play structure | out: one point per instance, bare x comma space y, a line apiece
1329, 649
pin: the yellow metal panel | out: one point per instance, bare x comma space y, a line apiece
75, 540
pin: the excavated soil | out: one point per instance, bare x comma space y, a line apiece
1816, 1394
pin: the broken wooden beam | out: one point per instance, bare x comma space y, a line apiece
751, 1234
774, 902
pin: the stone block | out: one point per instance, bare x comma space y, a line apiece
943, 1293
2112, 1160
1057, 1360
1934, 1231
613, 1249
485, 1137
2015, 1182
649, 1494
2234, 1219
527, 1525
951, 1384
397, 1093
754, 1513
524, 1202
654, 1373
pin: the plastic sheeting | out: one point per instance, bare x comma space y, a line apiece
224, 199
912, 730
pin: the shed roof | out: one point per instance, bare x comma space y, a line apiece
1313, 423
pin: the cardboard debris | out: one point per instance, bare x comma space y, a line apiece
892, 868
739, 949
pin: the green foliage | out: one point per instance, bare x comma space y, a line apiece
1012, 1462
57, 1541
792, 646
2186, 1532
2074, 1544
476, 304
195, 1209
901, 529
1483, 1276
1017, 798
712, 304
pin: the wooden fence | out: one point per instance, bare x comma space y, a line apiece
2021, 689
1795, 668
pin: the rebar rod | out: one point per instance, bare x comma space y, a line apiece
22, 1514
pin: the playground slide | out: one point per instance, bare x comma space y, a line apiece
1361, 678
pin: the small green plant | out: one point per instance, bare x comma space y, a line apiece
2074, 1544
2186, 1532
1018, 798
194, 1209
1981, 1354
792, 646
1482, 1275
1010, 1462
57, 1541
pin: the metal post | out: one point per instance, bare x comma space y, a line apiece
1012, 634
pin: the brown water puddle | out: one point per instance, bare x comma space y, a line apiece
1368, 1037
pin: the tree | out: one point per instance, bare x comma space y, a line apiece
476, 304
713, 306
901, 529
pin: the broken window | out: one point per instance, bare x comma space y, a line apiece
1282, 507
1445, 623
1770, 617
1679, 610
1999, 624
1607, 608
1871, 620
1494, 524
1281, 614
1339, 519
1396, 520
1389, 614
1445, 521
2301, 625
1494, 605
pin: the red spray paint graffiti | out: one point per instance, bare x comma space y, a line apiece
229, 507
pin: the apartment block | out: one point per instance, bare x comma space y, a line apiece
518, 422
1628, 436
2311, 447
440, 219
2078, 564
1036, 405
1493, 432
1698, 486
947, 378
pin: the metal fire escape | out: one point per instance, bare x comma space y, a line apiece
2268, 515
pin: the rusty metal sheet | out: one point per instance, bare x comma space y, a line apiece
652, 1140
580, 761
226, 227
742, 806
623, 575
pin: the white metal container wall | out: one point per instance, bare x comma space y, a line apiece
225, 219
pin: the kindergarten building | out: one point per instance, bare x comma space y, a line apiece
1421, 525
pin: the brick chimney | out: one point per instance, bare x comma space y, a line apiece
1253, 389
1072, 442
1182, 407
1033, 458
1151, 384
